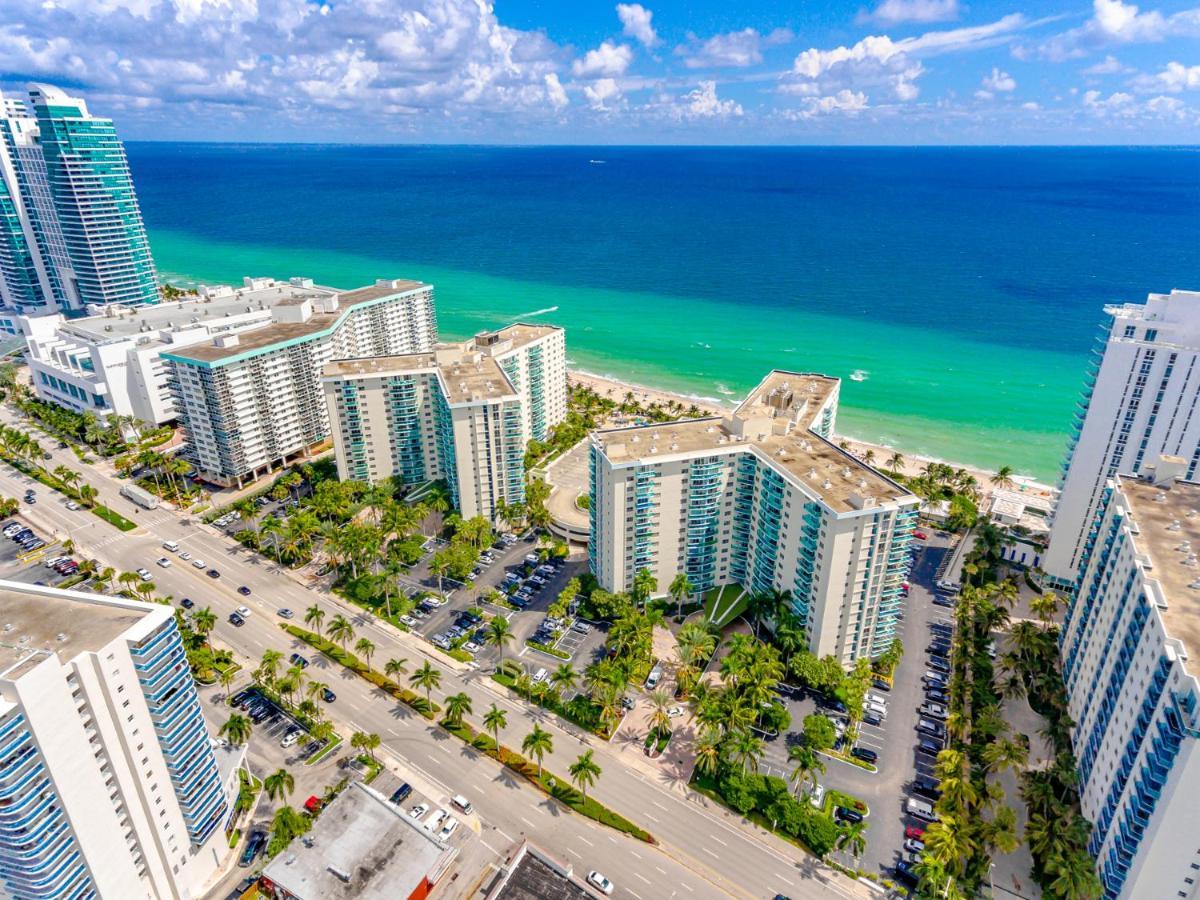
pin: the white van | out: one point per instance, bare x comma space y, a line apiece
539, 676
172, 546
919, 809
462, 803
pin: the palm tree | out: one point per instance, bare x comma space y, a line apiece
644, 584
895, 463
394, 667
226, 674
537, 744
499, 633
746, 749
584, 772
279, 784
426, 678
368, 742
457, 706
1003, 478
807, 764
237, 729
366, 647
495, 720
268, 669
341, 630
679, 589
109, 574
708, 755
203, 621
314, 616
564, 678
853, 838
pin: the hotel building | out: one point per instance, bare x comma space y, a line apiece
1126, 645
110, 785
71, 230
463, 413
764, 500
1140, 401
251, 400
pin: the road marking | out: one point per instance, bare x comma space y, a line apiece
688, 886
634, 853
650, 817
632, 894
786, 880
573, 853
527, 822
643, 877
507, 836
661, 869
585, 840
613, 839
718, 840
710, 853
660, 806
445, 748
489, 846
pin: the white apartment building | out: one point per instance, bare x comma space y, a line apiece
1126, 644
456, 413
110, 785
761, 499
1139, 402
251, 400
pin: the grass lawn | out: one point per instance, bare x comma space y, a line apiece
723, 605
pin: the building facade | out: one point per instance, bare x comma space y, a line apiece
761, 499
461, 413
252, 400
1140, 401
1126, 645
71, 230
110, 785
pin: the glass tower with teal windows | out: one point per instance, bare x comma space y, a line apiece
93, 198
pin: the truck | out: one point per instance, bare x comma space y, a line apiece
142, 498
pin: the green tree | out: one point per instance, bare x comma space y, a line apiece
426, 678
495, 720
341, 630
680, 589
537, 744
314, 616
584, 772
279, 785
237, 729
499, 633
394, 667
365, 647
457, 706
203, 621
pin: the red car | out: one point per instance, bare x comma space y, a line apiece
914, 833
920, 535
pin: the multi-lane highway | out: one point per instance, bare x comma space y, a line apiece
704, 851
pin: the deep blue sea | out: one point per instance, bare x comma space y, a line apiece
966, 283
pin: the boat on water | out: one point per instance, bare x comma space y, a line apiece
859, 375
597, 162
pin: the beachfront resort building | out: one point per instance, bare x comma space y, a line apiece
463, 413
71, 231
1127, 643
110, 785
1140, 400
251, 399
761, 499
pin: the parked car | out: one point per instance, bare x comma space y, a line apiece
880, 684
912, 832
254, 846
912, 845
448, 828
926, 787
846, 814
291, 738
928, 726
906, 874
419, 810
930, 746
865, 754
401, 793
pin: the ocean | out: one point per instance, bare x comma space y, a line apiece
964, 285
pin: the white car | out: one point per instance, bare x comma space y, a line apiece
471, 647
199, 563
72, 505
291, 738
600, 883
164, 563
448, 828
435, 821
419, 810
675, 712
244, 612
144, 574
409, 621
185, 556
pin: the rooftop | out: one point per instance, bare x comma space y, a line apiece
1167, 517
773, 421
36, 620
534, 876
467, 375
360, 847
520, 333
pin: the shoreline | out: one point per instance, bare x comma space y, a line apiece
616, 388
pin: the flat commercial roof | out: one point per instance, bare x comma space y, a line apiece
360, 847
470, 377
39, 617
520, 333
1167, 516
533, 878
829, 472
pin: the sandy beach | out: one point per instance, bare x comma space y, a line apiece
913, 465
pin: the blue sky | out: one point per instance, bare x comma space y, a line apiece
583, 71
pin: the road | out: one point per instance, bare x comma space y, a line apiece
704, 850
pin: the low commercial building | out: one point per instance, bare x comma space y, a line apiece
250, 400
530, 873
110, 785
1127, 642
361, 848
462, 413
763, 499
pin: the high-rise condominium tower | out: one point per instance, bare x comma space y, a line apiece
71, 231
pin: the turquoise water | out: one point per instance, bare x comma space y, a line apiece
967, 284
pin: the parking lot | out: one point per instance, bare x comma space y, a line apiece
30, 566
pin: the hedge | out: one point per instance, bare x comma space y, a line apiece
556, 787
354, 664
547, 649
580, 710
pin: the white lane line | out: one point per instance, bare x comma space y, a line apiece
786, 880
661, 869
489, 846
710, 853
684, 884
660, 806
632, 894
393, 731
507, 836
585, 840
527, 822
650, 817
573, 853
643, 877
445, 748
613, 839
635, 854
718, 840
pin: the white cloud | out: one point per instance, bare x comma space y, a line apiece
1110, 66
1031, 106
896, 12
606, 61
735, 49
1114, 22
844, 102
704, 103
602, 94
1119, 103
1177, 77
554, 91
1165, 105
998, 82
636, 23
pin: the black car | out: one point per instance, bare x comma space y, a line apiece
244, 591
401, 793
906, 874
926, 787
880, 684
930, 745
939, 665
235, 619
213, 573
261, 712
942, 647
327, 695
865, 754
186, 603
846, 814
254, 846
247, 701
943, 601
936, 696
236, 699
297, 660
